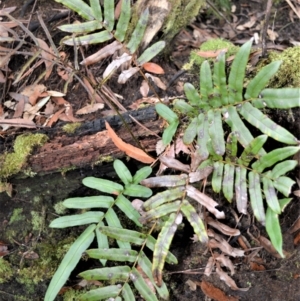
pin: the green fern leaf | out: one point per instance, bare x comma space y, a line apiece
283, 168
216, 132
78, 6
284, 98
270, 194
102, 293
256, 197
151, 52
141, 286
274, 156
112, 220
261, 79
163, 243
77, 219
122, 171
284, 185
87, 202
113, 254
252, 149
166, 181
123, 20
192, 94
160, 211
138, 32
146, 266
274, 231
141, 174
217, 176
191, 131
219, 79
206, 83
183, 107
203, 136
127, 293
125, 205
109, 14
102, 242
166, 113
231, 147
81, 27
103, 185
94, 38
237, 73
69, 262
163, 197
192, 216
118, 273
228, 179
137, 191
241, 195
96, 10
266, 125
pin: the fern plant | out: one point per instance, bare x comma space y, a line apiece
104, 224
98, 18
255, 174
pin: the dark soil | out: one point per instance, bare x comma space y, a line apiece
36, 196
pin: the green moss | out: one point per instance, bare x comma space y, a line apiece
288, 74
17, 216
11, 163
43, 268
60, 208
70, 128
213, 44
6, 271
102, 159
37, 220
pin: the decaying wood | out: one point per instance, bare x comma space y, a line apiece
90, 144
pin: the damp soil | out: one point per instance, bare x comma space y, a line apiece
35, 250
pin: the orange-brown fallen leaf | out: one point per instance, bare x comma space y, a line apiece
130, 150
153, 68
211, 53
256, 266
297, 239
215, 293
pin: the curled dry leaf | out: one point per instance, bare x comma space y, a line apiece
126, 74
222, 228
157, 81
90, 108
225, 247
102, 53
225, 261
33, 92
192, 285
153, 68
174, 164
115, 64
267, 245
47, 55
93, 96
30, 112
201, 174
130, 150
2, 77
144, 88
209, 266
215, 293
204, 200
7, 10
228, 280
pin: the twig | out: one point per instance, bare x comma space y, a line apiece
293, 8
265, 28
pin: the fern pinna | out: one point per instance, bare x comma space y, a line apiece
254, 174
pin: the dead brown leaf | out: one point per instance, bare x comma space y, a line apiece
130, 150
174, 164
144, 88
254, 266
296, 226
209, 266
228, 280
47, 55
205, 200
90, 108
211, 53
225, 261
215, 293
192, 285
223, 228
18, 122
33, 92
93, 96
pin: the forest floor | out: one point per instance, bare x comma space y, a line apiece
24, 236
